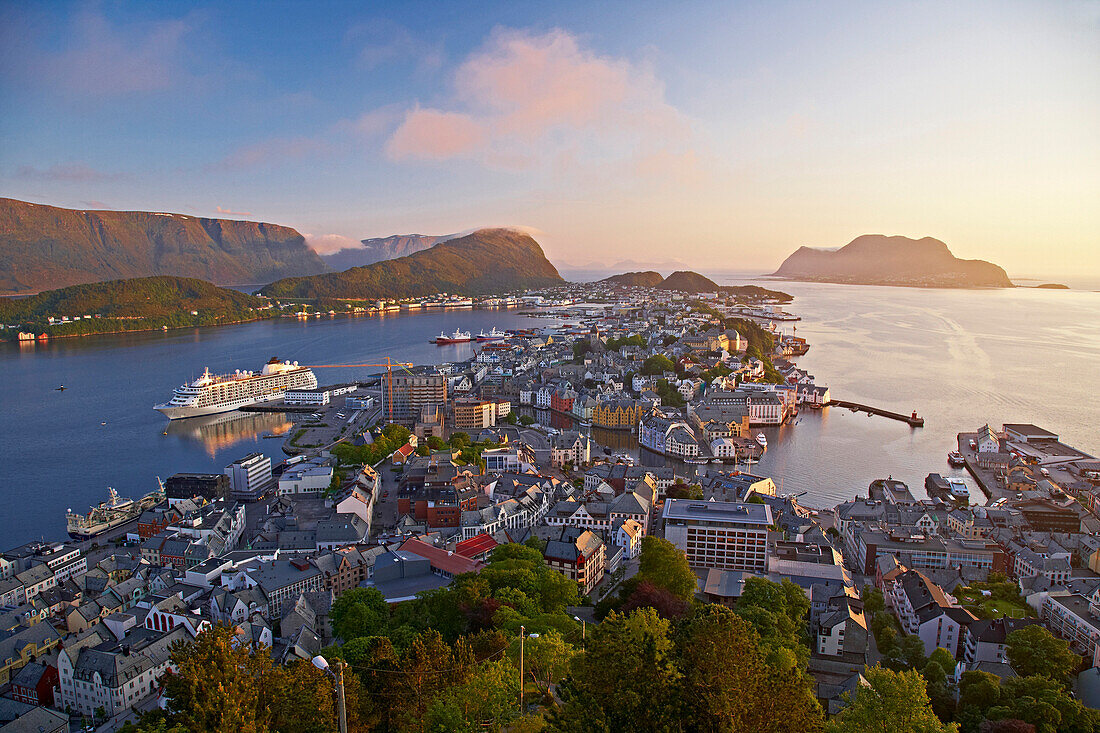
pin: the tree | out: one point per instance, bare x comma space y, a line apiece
359, 612
627, 678
657, 364
647, 595
1044, 703
1008, 725
1033, 650
665, 566
302, 699
526, 420
683, 491
485, 701
894, 702
777, 611
427, 668
220, 684
728, 686
546, 659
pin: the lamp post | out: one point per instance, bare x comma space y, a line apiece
522, 636
322, 664
583, 624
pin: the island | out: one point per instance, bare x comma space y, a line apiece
1052, 286
875, 259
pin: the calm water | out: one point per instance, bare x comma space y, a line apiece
58, 455
959, 358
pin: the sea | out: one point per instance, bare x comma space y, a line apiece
959, 358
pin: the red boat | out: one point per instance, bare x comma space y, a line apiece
458, 337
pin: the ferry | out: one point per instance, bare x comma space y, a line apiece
109, 514
493, 335
458, 337
211, 394
762, 440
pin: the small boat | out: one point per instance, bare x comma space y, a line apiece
458, 337
956, 459
59, 389
762, 440
103, 423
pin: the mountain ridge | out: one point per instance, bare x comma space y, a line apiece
483, 262
46, 247
876, 259
378, 249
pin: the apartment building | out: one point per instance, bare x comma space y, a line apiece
719, 534
414, 391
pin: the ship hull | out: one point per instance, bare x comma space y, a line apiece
181, 412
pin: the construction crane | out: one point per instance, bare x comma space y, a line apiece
390, 364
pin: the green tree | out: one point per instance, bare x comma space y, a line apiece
485, 701
626, 679
894, 702
1044, 703
657, 364
359, 612
526, 420
1033, 650
777, 611
546, 659
727, 685
666, 566
220, 684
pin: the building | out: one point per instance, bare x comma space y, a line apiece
24, 645
616, 414
249, 477
308, 398
570, 447
34, 684
310, 478
579, 555
414, 391
924, 609
209, 486
719, 534
474, 414
1075, 618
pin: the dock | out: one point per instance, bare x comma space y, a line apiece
913, 420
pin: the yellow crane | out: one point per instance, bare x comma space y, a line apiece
390, 364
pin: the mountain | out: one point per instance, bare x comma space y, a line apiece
131, 305
45, 247
874, 259
381, 248
689, 282
649, 279
486, 261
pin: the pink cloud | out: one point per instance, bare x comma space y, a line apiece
233, 213
66, 173
525, 100
326, 244
275, 151
432, 134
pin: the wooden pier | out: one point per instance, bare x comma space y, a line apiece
913, 420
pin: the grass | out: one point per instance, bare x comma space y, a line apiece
985, 607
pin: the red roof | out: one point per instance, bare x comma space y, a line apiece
476, 545
448, 562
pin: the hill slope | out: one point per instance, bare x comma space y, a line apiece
648, 279
382, 248
486, 261
874, 259
689, 282
48, 247
134, 304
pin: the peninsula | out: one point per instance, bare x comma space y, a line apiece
874, 259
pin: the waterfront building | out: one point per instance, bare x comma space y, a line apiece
719, 534
209, 486
249, 477
308, 398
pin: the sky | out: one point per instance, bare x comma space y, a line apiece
721, 135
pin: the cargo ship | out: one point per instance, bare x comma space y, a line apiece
109, 514
211, 394
493, 335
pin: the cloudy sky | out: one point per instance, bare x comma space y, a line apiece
723, 135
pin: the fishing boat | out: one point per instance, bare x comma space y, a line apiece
762, 440
956, 459
493, 335
458, 337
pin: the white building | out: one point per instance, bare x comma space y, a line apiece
720, 534
250, 476
308, 478
314, 398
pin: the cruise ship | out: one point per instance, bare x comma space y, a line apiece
211, 393
109, 514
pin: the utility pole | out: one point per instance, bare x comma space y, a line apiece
521, 634
340, 695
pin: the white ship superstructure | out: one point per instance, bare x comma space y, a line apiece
210, 393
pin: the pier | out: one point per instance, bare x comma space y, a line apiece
913, 420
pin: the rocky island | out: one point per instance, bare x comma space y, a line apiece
874, 259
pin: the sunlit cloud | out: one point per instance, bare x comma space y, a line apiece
326, 244
525, 100
232, 213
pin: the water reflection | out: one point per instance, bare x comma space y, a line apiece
218, 432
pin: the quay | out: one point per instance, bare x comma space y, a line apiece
913, 420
